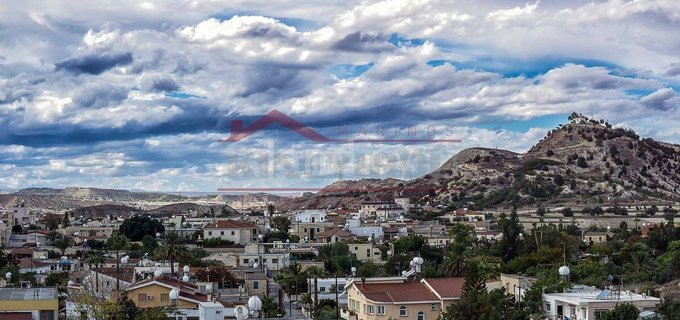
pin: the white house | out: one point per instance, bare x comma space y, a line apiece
239, 232
588, 303
310, 216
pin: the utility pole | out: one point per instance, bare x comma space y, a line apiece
337, 304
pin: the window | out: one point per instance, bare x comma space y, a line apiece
403, 312
210, 233
245, 261
433, 307
370, 309
381, 310
256, 284
165, 297
233, 233
141, 297
108, 283
322, 289
275, 260
221, 233
421, 315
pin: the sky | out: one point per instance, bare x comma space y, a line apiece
138, 95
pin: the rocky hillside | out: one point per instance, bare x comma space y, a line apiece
583, 161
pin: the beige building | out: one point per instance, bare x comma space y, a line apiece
29, 303
365, 251
399, 298
238, 232
595, 237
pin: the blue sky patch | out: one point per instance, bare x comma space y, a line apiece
182, 95
398, 40
548, 121
346, 71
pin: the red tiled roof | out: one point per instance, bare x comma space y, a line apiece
23, 251
26, 263
334, 232
397, 292
446, 288
230, 224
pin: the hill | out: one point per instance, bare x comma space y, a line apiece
583, 161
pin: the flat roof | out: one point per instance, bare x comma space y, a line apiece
28, 293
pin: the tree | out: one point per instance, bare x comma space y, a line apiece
17, 229
473, 303
117, 242
66, 220
56, 279
281, 223
581, 162
511, 229
62, 245
136, 227
150, 244
172, 248
622, 311
567, 212
540, 211
669, 310
220, 274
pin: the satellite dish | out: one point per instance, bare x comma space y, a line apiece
241, 312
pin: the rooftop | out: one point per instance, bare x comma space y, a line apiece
446, 288
230, 224
396, 292
28, 294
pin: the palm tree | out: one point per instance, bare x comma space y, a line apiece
95, 258
172, 248
117, 242
639, 262
453, 264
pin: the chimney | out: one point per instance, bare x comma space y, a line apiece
363, 281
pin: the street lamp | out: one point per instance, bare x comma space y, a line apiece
8, 277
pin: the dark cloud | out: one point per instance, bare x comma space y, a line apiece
94, 64
362, 42
663, 99
159, 84
674, 70
100, 95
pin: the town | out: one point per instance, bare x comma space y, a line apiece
383, 260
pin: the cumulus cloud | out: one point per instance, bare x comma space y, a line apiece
143, 92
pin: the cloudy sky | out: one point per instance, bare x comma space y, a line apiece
137, 95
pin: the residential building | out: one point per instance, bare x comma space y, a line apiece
400, 298
22, 215
595, 237
516, 285
589, 303
308, 231
334, 235
238, 232
152, 293
255, 253
365, 251
356, 227
310, 216
29, 303
384, 210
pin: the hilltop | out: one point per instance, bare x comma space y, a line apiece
585, 161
